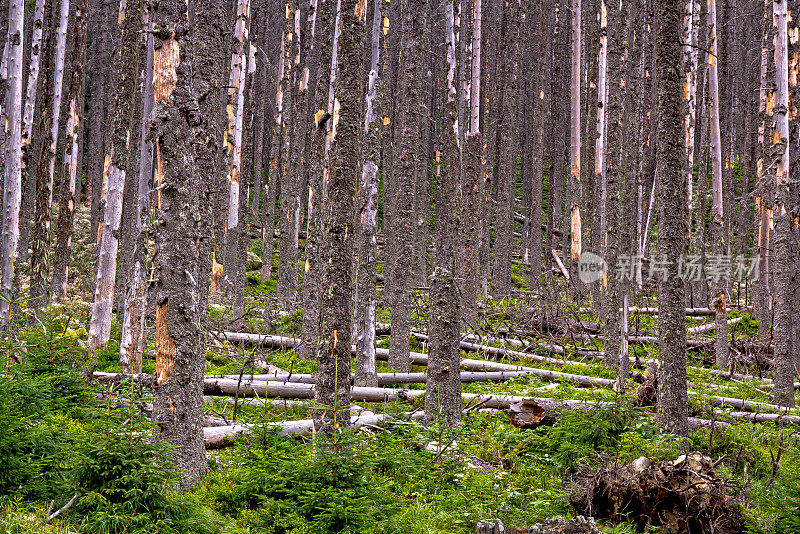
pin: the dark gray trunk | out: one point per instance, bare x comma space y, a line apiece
332, 392
181, 127
672, 382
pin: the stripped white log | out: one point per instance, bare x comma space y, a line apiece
420, 378
710, 326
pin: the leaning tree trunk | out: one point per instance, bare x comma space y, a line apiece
443, 401
409, 97
672, 382
69, 176
12, 183
119, 158
182, 128
332, 397
784, 361
719, 276
365, 367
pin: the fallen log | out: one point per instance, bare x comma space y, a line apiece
219, 437
639, 310
738, 376
710, 326
420, 378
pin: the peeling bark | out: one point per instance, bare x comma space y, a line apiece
66, 209
12, 183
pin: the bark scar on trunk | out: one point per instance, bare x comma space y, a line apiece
165, 63
165, 345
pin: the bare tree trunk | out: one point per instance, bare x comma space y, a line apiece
576, 192
472, 189
670, 152
12, 183
409, 94
784, 359
232, 142
288, 257
443, 402
33, 76
58, 89
690, 57
181, 128
365, 366
762, 302
324, 63
121, 111
131, 344
40, 238
600, 140
614, 175
332, 396
717, 230
509, 150
67, 199
274, 167
541, 120
101, 47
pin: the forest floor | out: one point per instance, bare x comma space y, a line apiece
61, 437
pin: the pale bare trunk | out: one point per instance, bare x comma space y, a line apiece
784, 359
33, 74
602, 97
718, 218
232, 140
100, 325
132, 342
12, 184
575, 139
61, 51
690, 57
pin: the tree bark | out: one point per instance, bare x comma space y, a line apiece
12, 183
784, 358
409, 97
614, 173
332, 396
506, 181
672, 400
443, 403
288, 257
101, 46
323, 80
40, 238
365, 366
182, 129
118, 158
67, 198
232, 142
131, 344
717, 229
